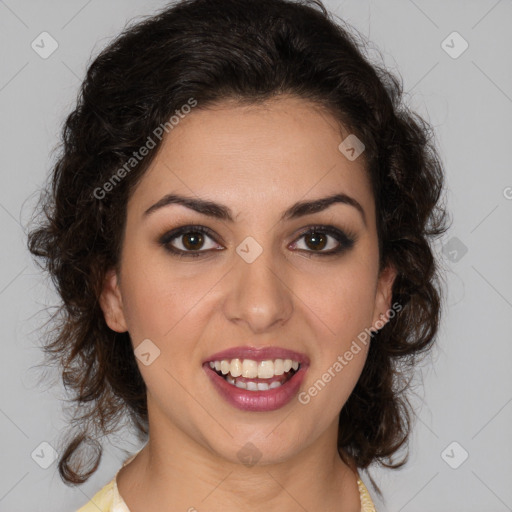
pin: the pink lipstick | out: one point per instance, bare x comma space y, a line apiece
257, 379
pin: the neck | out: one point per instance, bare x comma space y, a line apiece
174, 472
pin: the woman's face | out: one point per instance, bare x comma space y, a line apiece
256, 279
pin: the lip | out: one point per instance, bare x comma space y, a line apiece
259, 354
257, 401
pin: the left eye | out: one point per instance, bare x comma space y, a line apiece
324, 240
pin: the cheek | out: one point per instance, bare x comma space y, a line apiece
158, 301
341, 299
347, 303
338, 307
338, 313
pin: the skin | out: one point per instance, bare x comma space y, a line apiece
258, 161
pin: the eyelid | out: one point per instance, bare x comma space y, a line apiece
166, 239
345, 238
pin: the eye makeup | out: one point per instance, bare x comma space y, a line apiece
191, 235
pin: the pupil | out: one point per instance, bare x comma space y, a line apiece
193, 240
318, 240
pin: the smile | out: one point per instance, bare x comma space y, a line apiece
253, 375
257, 380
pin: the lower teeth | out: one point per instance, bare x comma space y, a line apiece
253, 386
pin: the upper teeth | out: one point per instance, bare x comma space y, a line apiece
251, 369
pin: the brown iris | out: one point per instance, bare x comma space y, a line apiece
318, 240
193, 240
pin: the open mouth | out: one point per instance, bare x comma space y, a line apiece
256, 376
257, 385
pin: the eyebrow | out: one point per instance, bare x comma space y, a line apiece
220, 211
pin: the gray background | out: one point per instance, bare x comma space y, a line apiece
464, 394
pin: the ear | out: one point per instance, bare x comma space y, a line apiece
111, 302
383, 296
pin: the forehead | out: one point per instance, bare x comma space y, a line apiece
254, 157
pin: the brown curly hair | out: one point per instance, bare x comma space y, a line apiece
250, 51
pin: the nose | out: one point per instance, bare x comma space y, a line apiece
258, 294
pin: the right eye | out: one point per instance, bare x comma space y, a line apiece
190, 239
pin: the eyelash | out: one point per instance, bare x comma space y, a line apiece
345, 240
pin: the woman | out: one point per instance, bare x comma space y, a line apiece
239, 227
